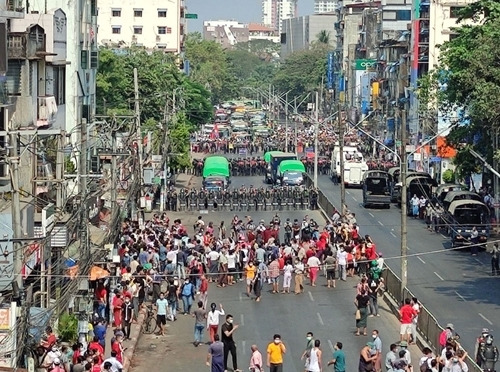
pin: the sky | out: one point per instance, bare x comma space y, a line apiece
238, 10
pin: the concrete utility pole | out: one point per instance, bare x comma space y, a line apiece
16, 214
82, 175
286, 122
341, 151
114, 176
60, 171
295, 126
404, 207
316, 130
137, 113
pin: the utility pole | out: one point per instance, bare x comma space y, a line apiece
82, 174
341, 151
316, 130
16, 215
286, 122
137, 113
60, 171
114, 175
404, 207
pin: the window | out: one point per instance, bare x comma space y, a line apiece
162, 13
161, 46
116, 12
60, 84
403, 15
162, 30
138, 13
116, 30
169, 30
455, 11
137, 30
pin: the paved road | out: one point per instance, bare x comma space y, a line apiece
455, 286
329, 313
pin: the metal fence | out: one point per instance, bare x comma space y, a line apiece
428, 327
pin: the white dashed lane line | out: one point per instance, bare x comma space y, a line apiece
380, 223
486, 319
311, 296
420, 259
320, 319
460, 296
371, 214
331, 345
394, 235
439, 276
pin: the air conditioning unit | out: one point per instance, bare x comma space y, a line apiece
134, 39
158, 38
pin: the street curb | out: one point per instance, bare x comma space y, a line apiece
135, 334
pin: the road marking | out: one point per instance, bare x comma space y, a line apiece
380, 223
371, 214
242, 320
461, 297
439, 276
241, 297
331, 345
347, 192
478, 261
482, 316
353, 198
421, 260
393, 234
320, 319
444, 236
311, 296
243, 344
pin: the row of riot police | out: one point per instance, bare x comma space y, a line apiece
245, 198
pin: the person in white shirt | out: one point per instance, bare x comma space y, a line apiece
342, 263
313, 264
415, 305
299, 276
116, 366
213, 320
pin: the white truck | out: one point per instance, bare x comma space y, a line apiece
354, 165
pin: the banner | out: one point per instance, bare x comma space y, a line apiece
329, 71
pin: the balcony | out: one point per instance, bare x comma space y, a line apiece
13, 9
47, 111
27, 45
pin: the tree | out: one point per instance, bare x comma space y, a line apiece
178, 139
302, 71
210, 67
323, 37
467, 80
266, 50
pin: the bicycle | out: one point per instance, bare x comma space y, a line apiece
150, 325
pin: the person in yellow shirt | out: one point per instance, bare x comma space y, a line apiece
250, 271
275, 352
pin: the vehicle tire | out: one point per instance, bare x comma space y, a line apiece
149, 326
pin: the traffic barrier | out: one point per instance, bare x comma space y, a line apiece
428, 327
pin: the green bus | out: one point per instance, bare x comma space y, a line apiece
291, 173
216, 168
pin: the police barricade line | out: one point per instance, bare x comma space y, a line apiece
428, 327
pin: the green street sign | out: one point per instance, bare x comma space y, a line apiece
365, 64
398, 143
191, 16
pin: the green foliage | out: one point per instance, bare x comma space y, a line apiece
178, 139
69, 166
465, 164
323, 37
210, 67
68, 327
302, 71
448, 176
265, 50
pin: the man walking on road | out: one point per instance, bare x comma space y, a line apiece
228, 329
199, 324
275, 352
338, 359
216, 353
161, 313
406, 314
256, 360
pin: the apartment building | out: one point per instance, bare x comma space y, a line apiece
156, 24
226, 33
275, 11
258, 31
300, 32
325, 6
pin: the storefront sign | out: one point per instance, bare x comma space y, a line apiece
365, 64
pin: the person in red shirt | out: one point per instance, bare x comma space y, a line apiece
203, 290
117, 309
50, 340
117, 347
98, 349
96, 365
406, 313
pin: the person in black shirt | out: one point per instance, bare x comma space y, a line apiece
228, 329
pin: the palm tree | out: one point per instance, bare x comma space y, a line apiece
323, 37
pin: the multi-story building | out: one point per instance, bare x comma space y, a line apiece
257, 31
275, 11
325, 6
300, 32
156, 24
226, 33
